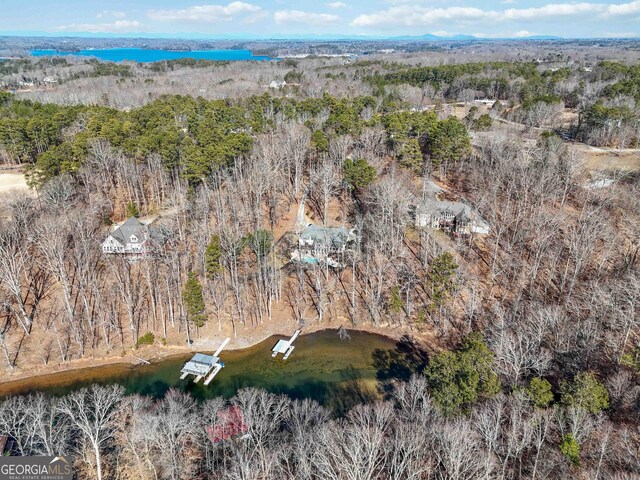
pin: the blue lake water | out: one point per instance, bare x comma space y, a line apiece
145, 56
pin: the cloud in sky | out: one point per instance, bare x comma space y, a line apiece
337, 5
111, 14
297, 16
205, 13
489, 18
119, 26
632, 8
417, 15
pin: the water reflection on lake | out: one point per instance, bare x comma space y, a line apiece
334, 372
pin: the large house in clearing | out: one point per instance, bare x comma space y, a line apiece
135, 238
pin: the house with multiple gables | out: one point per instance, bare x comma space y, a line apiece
454, 217
318, 244
457, 218
135, 238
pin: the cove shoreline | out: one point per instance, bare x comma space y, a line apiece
53, 375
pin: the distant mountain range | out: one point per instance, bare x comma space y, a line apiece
428, 37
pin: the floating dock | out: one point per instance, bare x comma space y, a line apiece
285, 346
204, 366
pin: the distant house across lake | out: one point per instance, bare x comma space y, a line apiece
277, 84
135, 238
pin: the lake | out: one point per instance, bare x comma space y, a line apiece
334, 372
145, 56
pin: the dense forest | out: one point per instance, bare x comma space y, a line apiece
408, 436
528, 362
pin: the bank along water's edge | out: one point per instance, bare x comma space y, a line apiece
324, 366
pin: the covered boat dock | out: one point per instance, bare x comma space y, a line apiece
203, 365
199, 366
285, 346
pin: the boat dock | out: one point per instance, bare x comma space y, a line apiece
204, 366
213, 373
285, 346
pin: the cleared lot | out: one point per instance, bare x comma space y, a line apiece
609, 159
12, 182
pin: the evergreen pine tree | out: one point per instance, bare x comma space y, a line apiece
193, 300
132, 210
212, 256
442, 278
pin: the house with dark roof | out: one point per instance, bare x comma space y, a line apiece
318, 244
135, 238
324, 239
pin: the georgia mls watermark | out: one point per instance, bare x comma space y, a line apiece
36, 468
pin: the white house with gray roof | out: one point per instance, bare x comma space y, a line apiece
135, 238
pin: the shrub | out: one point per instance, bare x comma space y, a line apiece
570, 448
146, 339
395, 303
441, 279
132, 210
212, 256
632, 359
539, 391
359, 174
319, 141
194, 300
586, 392
483, 122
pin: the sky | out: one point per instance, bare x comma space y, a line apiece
377, 18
